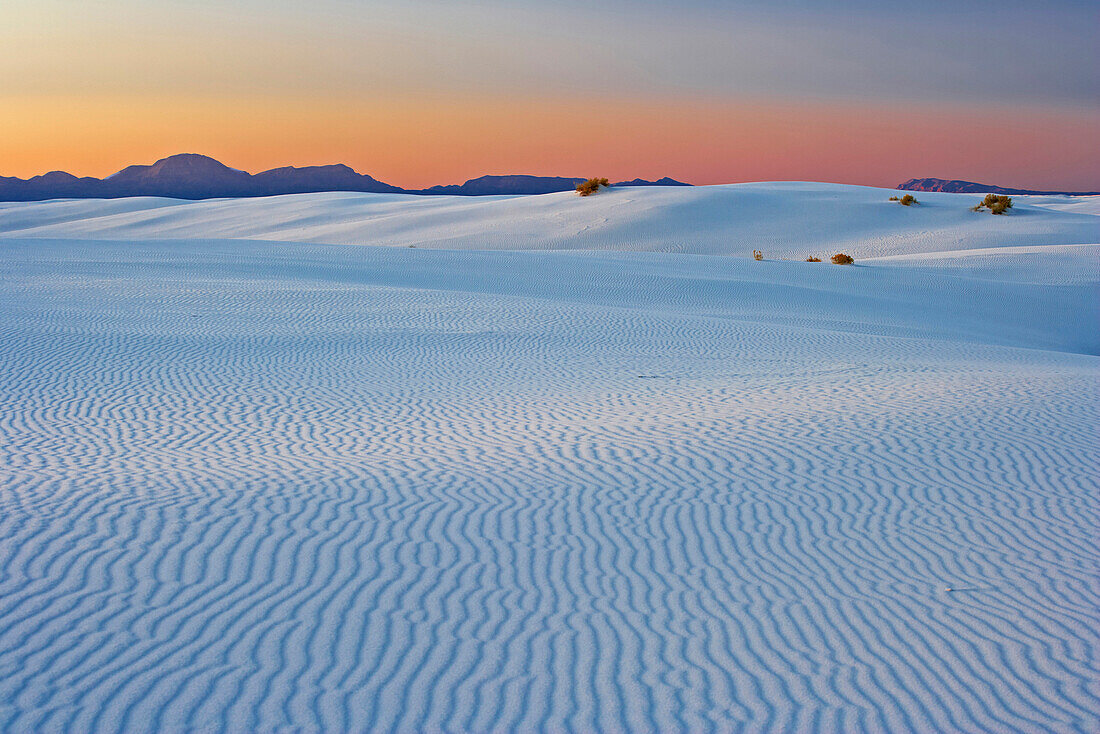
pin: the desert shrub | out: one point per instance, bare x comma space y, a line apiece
907, 200
757, 255
995, 203
841, 259
591, 186
812, 259
894, 198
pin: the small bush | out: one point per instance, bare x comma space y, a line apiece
907, 200
757, 255
812, 259
894, 198
591, 186
995, 203
841, 259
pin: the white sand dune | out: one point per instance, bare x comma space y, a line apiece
253, 483
783, 219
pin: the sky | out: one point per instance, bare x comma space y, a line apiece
421, 92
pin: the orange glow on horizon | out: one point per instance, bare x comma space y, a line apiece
416, 142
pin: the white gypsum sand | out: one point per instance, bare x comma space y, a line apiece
255, 479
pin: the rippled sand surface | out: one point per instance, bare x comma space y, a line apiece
259, 486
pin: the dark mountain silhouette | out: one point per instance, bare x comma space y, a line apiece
310, 179
492, 185
489, 185
52, 185
184, 176
666, 181
192, 176
969, 187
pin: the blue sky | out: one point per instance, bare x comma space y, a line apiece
222, 70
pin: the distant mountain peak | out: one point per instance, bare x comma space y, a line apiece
310, 179
666, 181
181, 163
190, 159
955, 186
56, 177
524, 184
342, 168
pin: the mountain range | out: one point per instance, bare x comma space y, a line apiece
969, 187
192, 176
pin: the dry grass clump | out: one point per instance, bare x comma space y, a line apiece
995, 203
906, 200
757, 255
591, 186
841, 259
812, 259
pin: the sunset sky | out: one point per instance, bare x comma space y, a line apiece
420, 92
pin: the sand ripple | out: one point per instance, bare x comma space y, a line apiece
263, 487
